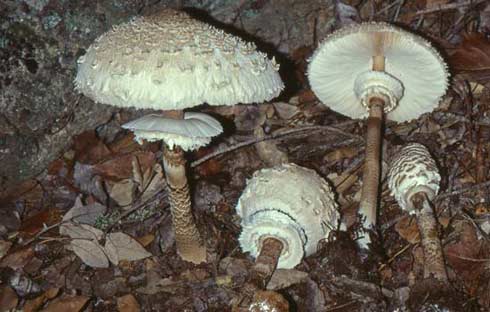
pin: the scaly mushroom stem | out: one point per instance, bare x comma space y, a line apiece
266, 262
371, 170
426, 221
187, 238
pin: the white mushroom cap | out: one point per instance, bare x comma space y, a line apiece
289, 203
410, 61
190, 133
171, 61
411, 171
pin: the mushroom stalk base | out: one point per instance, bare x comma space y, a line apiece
371, 171
190, 246
266, 262
431, 245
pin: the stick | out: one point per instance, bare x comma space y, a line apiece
275, 136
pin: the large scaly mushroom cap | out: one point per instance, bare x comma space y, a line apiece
171, 61
190, 133
341, 76
289, 203
411, 171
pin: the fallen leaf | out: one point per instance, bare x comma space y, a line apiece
121, 167
268, 151
33, 305
4, 248
154, 182
122, 192
146, 240
87, 214
67, 304
90, 252
283, 278
17, 259
345, 14
8, 299
120, 246
127, 303
81, 231
89, 148
407, 228
472, 57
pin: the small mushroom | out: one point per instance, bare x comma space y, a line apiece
377, 70
413, 179
170, 61
285, 211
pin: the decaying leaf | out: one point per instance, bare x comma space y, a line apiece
84, 214
90, 252
81, 231
8, 298
127, 303
123, 192
345, 14
120, 246
283, 278
408, 230
67, 303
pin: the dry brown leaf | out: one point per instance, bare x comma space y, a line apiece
87, 214
67, 304
407, 228
121, 167
283, 278
89, 148
120, 246
472, 57
18, 259
90, 252
127, 303
4, 248
122, 192
81, 231
154, 182
8, 298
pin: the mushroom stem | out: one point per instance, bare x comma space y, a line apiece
187, 238
371, 170
266, 262
431, 244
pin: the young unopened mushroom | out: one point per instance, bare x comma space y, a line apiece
376, 70
170, 61
285, 211
413, 179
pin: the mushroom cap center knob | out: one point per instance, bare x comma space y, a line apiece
382, 85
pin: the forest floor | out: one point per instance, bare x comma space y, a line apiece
120, 187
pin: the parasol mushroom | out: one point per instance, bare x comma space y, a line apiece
169, 61
285, 211
378, 71
413, 179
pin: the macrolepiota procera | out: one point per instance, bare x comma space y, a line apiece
378, 71
285, 211
169, 61
413, 180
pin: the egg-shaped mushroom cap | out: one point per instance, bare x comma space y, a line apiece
192, 132
348, 53
290, 203
413, 170
171, 61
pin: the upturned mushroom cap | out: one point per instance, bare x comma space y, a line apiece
190, 133
290, 203
411, 171
171, 61
341, 76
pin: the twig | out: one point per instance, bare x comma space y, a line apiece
394, 257
449, 6
275, 136
42, 232
463, 190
